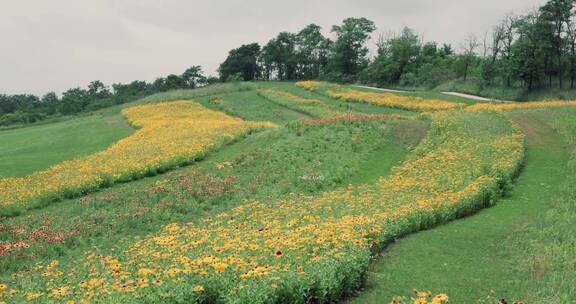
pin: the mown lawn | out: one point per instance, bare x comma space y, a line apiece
29, 149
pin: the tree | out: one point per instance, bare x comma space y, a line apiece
469, 55
127, 92
528, 55
212, 80
556, 16
243, 60
350, 51
73, 101
173, 82
193, 77
508, 26
97, 90
571, 38
50, 102
403, 59
279, 55
492, 53
405, 52
312, 50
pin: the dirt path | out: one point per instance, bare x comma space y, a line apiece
470, 258
473, 97
381, 89
457, 94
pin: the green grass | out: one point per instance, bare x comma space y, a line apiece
479, 257
249, 105
548, 243
25, 150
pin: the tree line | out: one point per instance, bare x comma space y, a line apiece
28, 108
529, 51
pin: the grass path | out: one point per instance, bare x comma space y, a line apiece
469, 258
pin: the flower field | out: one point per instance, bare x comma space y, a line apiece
380, 99
312, 107
297, 248
520, 105
169, 135
395, 101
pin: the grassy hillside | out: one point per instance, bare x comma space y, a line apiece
302, 211
29, 149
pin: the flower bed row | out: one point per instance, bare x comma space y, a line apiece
169, 135
309, 106
499, 107
380, 99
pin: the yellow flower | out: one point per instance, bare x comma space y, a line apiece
52, 264
198, 288
220, 267
58, 292
440, 298
423, 294
33, 296
145, 271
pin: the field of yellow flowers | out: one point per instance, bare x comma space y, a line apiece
299, 248
313, 107
169, 135
380, 99
520, 105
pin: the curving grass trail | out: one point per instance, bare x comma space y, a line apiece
474, 259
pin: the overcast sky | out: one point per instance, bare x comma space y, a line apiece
58, 44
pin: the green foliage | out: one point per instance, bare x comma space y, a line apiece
243, 61
25, 109
349, 51
279, 56
312, 52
